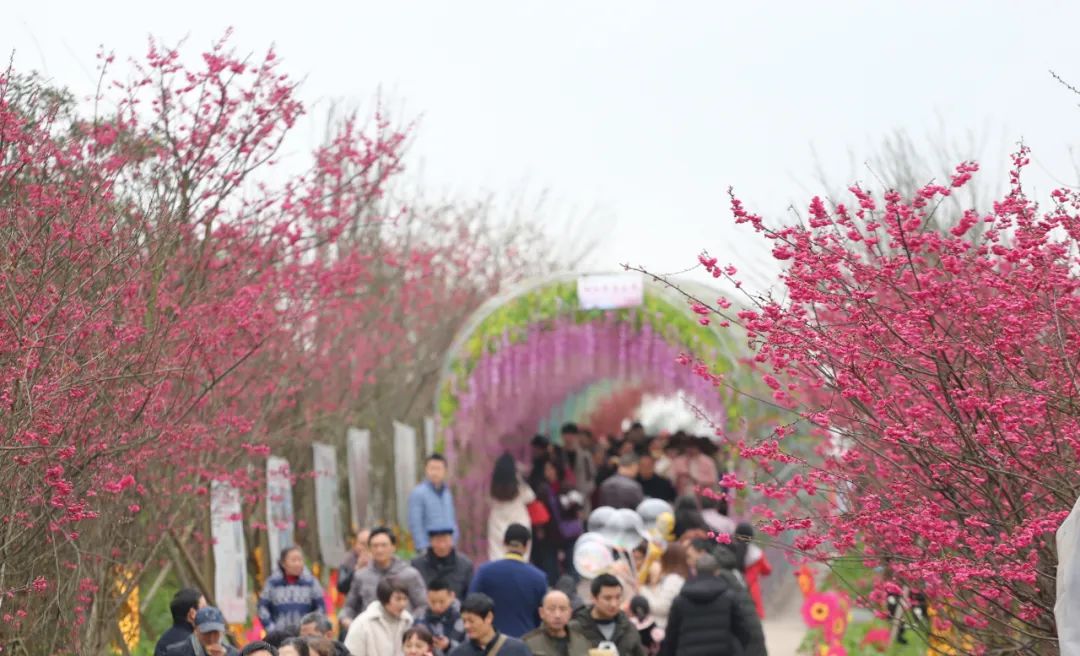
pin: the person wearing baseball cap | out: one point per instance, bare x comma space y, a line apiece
208, 639
185, 603
516, 586
442, 561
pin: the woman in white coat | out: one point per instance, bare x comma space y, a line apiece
378, 631
510, 499
674, 570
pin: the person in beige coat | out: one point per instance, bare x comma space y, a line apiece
510, 498
662, 591
378, 631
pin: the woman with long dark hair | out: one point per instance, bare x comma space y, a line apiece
674, 571
689, 522
564, 527
510, 498
546, 543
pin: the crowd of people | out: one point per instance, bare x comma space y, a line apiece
688, 593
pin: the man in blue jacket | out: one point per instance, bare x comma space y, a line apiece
517, 587
431, 504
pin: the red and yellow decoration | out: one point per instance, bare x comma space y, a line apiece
945, 640
832, 649
128, 621
805, 576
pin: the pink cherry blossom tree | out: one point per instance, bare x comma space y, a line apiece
938, 370
170, 315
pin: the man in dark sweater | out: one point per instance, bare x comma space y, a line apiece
478, 614
185, 603
603, 624
713, 616
652, 484
517, 587
442, 561
622, 490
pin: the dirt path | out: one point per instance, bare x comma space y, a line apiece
784, 627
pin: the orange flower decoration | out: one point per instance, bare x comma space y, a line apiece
805, 577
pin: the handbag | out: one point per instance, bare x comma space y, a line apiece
538, 513
570, 529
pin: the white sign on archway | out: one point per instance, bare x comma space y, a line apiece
610, 291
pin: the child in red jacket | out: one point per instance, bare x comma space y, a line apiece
752, 562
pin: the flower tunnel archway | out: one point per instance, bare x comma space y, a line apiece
533, 357
601, 406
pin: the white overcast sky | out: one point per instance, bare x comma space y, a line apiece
636, 115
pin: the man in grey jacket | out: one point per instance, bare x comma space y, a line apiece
622, 490
383, 564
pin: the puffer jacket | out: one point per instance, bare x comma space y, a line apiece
713, 617
362, 591
376, 633
456, 569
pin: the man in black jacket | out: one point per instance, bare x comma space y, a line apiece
713, 616
442, 561
185, 603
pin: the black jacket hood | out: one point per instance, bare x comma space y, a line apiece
705, 589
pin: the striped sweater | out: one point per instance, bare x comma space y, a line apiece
282, 604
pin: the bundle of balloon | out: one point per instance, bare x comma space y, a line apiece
613, 534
